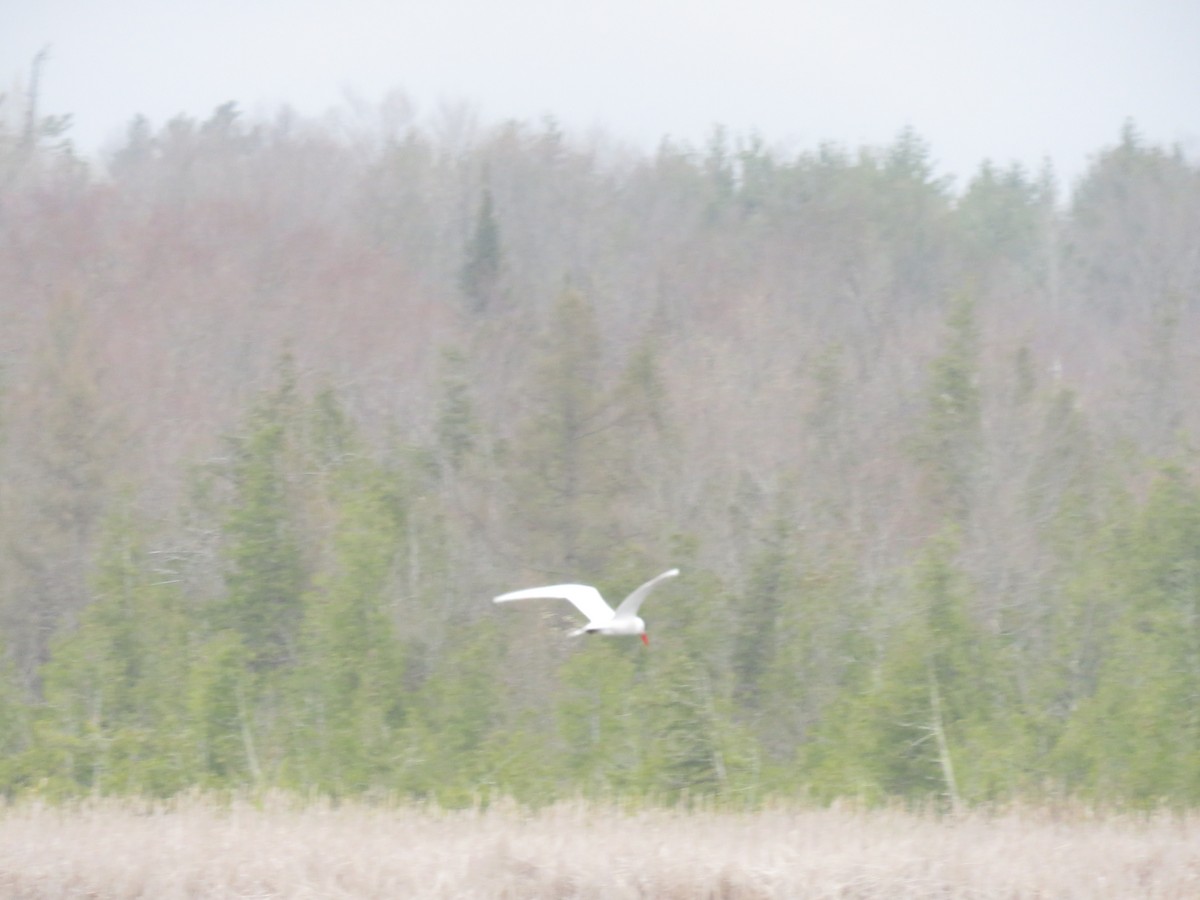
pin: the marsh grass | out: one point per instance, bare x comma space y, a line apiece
280, 847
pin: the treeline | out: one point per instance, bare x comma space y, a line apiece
286, 402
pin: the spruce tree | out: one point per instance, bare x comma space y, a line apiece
266, 576
348, 704
563, 479
114, 720
1136, 737
949, 438
479, 277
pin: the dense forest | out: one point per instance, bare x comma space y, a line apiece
286, 401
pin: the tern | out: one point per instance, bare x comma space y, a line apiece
602, 618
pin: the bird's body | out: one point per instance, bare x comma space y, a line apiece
602, 618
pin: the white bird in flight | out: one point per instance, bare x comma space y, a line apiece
602, 618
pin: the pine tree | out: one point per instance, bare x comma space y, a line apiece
691, 745
17, 736
456, 424
947, 445
1136, 737
266, 576
56, 486
595, 717
348, 704
479, 277
113, 686
449, 755
772, 584
564, 480
934, 718
1000, 220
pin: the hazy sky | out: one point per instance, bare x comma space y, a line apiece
1006, 79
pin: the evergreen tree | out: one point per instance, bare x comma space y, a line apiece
947, 446
479, 277
456, 424
772, 585
565, 479
820, 647
349, 702
692, 747
449, 755
934, 718
596, 720
266, 576
17, 736
1000, 214
1136, 737
56, 486
220, 703
1132, 226
113, 687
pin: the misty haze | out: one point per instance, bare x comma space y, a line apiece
286, 399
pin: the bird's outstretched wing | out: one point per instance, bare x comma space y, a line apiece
585, 598
631, 604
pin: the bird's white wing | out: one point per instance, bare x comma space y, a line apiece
586, 599
631, 604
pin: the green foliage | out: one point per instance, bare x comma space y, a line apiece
598, 718
266, 576
947, 445
57, 484
572, 461
347, 709
949, 575
1000, 220
479, 277
686, 736
459, 708
17, 740
456, 421
772, 580
1133, 219
114, 720
218, 702
932, 719
1136, 736
820, 646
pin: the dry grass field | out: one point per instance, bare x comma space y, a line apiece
200, 848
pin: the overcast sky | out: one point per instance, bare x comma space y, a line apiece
1010, 80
